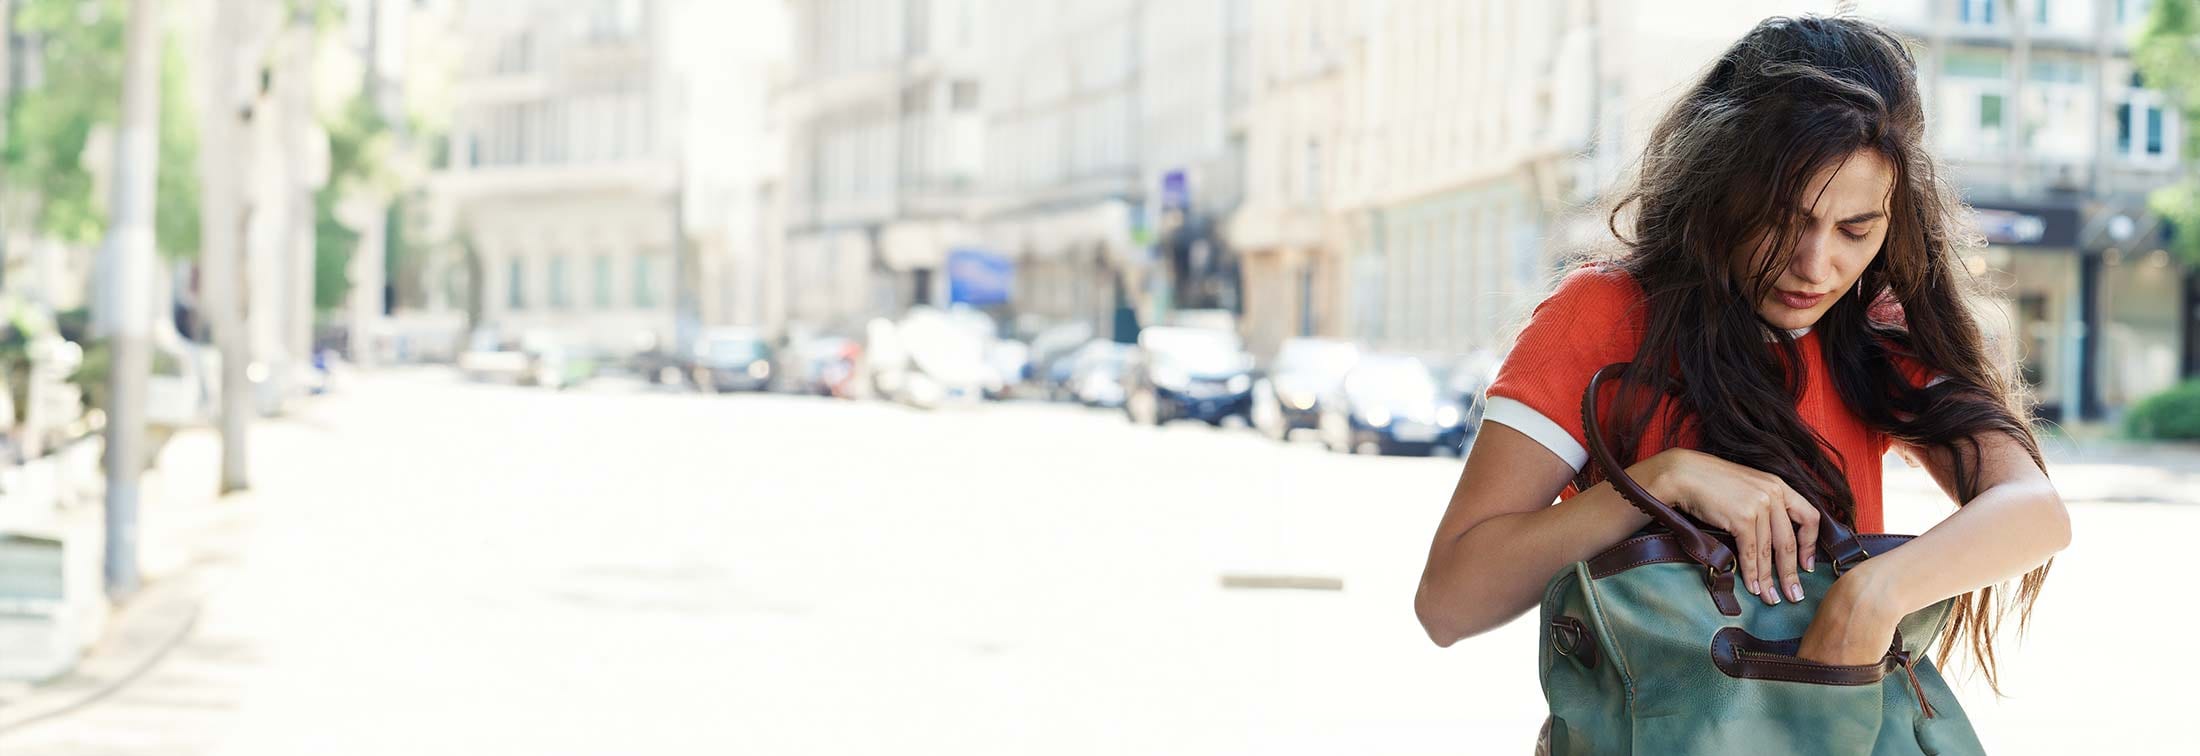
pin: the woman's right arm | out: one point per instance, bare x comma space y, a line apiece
1502, 539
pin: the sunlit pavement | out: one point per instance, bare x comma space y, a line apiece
438, 567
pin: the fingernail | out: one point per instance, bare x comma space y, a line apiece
1753, 588
1772, 597
1810, 563
1795, 591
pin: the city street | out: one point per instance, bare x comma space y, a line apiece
436, 567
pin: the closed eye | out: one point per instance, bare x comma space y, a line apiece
1853, 236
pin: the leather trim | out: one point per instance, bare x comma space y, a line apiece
1744, 656
1663, 548
1704, 549
1840, 543
1571, 638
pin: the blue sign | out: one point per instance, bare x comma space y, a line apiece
1176, 192
979, 278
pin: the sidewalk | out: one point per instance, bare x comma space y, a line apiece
2091, 464
184, 531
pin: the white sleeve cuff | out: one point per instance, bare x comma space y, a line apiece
1520, 417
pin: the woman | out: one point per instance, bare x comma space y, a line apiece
1789, 264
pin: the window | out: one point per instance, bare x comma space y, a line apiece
1980, 12
515, 285
2128, 11
2039, 12
559, 297
2123, 127
965, 96
2142, 127
1989, 112
645, 280
1313, 185
2154, 130
602, 274
1974, 65
915, 98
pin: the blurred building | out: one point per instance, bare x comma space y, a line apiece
1304, 55
599, 152
884, 147
1115, 151
2056, 140
1065, 196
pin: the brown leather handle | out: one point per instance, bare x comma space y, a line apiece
1700, 546
1839, 542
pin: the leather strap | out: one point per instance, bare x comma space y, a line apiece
1840, 543
1665, 548
1706, 550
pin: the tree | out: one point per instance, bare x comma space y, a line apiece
2167, 53
359, 147
81, 54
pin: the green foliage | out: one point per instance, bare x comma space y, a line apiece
81, 56
91, 374
2167, 53
2173, 414
359, 147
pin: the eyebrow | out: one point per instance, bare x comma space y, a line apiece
1863, 217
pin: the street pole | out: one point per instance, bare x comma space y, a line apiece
127, 279
223, 167
304, 149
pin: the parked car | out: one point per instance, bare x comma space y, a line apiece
655, 360
731, 359
554, 363
1008, 364
491, 358
1468, 381
929, 358
1288, 398
1179, 372
1391, 403
1054, 352
823, 366
1096, 374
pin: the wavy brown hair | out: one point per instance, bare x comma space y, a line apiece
1728, 166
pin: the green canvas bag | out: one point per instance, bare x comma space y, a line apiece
1648, 649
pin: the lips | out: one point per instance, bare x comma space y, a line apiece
1798, 300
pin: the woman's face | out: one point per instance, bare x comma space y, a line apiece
1839, 228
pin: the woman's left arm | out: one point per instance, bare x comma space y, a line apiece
2015, 524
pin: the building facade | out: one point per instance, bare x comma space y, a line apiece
883, 129
2056, 141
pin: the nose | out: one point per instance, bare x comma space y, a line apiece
1813, 260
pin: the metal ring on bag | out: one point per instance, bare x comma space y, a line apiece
1570, 638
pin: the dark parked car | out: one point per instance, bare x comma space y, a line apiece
1197, 373
1468, 383
1095, 374
1305, 370
731, 359
1392, 403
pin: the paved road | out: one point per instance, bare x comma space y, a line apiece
436, 567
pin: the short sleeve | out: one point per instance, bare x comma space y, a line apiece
1593, 319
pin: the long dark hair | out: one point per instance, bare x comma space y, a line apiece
1726, 168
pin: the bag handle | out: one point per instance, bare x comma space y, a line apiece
1838, 541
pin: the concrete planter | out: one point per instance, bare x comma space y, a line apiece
52, 605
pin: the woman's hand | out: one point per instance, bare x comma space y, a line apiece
1775, 529
1855, 622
